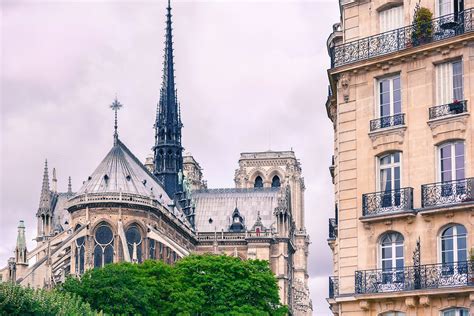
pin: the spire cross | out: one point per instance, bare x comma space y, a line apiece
115, 107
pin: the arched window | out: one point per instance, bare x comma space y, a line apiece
393, 313
79, 253
392, 259
258, 182
456, 311
104, 248
134, 243
454, 249
276, 182
390, 179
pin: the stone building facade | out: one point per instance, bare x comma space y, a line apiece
400, 88
161, 209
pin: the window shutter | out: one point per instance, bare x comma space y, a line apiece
391, 19
444, 83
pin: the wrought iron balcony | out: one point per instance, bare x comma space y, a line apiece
387, 202
438, 29
332, 228
430, 276
333, 286
387, 121
456, 107
447, 193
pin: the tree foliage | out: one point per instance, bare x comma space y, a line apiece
17, 300
195, 285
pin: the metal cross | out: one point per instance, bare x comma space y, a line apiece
115, 107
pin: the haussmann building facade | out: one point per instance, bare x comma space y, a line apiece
400, 88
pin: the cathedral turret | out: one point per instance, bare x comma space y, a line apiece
20, 250
45, 213
168, 152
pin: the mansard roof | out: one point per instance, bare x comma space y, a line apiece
121, 171
213, 207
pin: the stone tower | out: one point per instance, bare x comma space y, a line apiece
168, 152
45, 213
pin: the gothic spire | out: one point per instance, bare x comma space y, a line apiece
168, 156
69, 186
115, 106
45, 198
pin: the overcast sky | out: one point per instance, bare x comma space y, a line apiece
251, 76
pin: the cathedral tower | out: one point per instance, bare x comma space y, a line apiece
168, 152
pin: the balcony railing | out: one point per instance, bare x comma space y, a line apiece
387, 202
387, 121
332, 228
456, 107
403, 38
430, 276
333, 286
447, 193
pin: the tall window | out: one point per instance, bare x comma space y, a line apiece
454, 244
391, 19
258, 182
392, 260
451, 161
152, 248
393, 314
390, 179
449, 7
79, 255
449, 82
457, 311
389, 91
134, 243
276, 182
103, 249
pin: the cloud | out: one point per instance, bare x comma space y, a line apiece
250, 76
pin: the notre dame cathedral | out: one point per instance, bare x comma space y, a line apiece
161, 209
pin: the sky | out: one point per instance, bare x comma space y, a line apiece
251, 76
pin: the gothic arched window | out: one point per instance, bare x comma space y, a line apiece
258, 182
104, 248
276, 182
134, 240
79, 254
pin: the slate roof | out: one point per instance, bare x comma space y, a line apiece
219, 204
121, 171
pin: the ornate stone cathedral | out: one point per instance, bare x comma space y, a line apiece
162, 209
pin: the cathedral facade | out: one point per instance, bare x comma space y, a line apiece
162, 209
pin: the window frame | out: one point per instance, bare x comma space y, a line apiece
452, 144
391, 90
455, 243
457, 310
385, 11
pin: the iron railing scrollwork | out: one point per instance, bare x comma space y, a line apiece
386, 202
446, 193
429, 276
402, 38
332, 228
387, 121
333, 286
456, 107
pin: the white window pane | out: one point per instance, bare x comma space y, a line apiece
445, 7
444, 83
391, 19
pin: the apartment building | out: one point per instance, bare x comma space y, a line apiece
401, 84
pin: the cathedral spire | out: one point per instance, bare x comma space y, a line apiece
168, 156
69, 186
115, 106
45, 198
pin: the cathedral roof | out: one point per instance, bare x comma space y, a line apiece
121, 171
214, 207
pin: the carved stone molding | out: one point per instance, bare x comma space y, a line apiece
343, 85
388, 139
449, 127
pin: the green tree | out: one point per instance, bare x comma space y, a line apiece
195, 285
17, 300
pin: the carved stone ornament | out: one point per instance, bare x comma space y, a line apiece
449, 127
302, 301
343, 83
388, 137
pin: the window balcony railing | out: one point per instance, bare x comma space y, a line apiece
332, 228
430, 276
387, 121
447, 193
387, 202
333, 286
457, 107
403, 38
